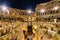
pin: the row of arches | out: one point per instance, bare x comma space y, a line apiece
49, 12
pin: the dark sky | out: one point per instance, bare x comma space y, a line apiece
22, 4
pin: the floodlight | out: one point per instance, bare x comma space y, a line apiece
4, 8
42, 10
29, 11
55, 8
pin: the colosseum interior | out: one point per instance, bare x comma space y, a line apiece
42, 24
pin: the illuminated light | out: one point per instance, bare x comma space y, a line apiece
4, 8
42, 10
29, 11
56, 8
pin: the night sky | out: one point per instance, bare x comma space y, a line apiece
22, 4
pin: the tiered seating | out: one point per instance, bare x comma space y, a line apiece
10, 31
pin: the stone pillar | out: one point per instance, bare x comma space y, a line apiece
55, 20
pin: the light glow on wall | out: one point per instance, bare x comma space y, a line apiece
29, 11
56, 8
42, 10
4, 8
